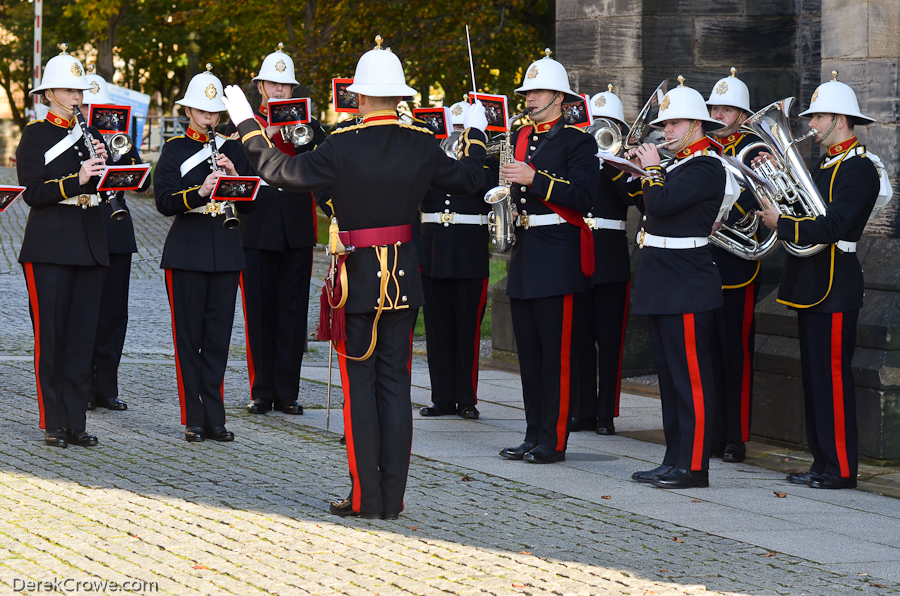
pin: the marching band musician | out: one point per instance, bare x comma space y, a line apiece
677, 284
113, 325
278, 237
601, 377
202, 259
555, 178
64, 250
826, 289
455, 282
729, 102
377, 173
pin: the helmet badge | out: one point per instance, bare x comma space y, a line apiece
95, 87
532, 72
457, 111
600, 102
280, 66
815, 95
76, 69
211, 91
665, 103
722, 88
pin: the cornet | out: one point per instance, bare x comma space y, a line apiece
297, 135
119, 144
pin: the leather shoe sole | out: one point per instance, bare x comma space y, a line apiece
831, 481
541, 455
681, 478
648, 476
469, 413
517, 453
438, 410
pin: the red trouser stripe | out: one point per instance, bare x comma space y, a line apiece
250, 367
622, 347
565, 373
690, 348
479, 317
747, 369
348, 426
837, 380
171, 292
36, 313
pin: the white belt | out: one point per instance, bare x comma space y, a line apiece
213, 208
454, 218
598, 223
533, 221
645, 239
845, 246
84, 200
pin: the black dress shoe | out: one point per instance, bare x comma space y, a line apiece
343, 440
606, 427
469, 412
115, 404
194, 434
56, 437
390, 516
579, 424
831, 481
648, 476
81, 438
258, 406
344, 508
91, 405
717, 450
438, 410
799, 477
544, 455
734, 453
292, 407
681, 478
517, 452
219, 433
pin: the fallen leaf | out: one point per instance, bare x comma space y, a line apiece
199, 567
649, 592
878, 585
606, 497
696, 501
467, 479
677, 539
785, 459
863, 574
780, 495
663, 570
524, 552
413, 528
770, 554
515, 585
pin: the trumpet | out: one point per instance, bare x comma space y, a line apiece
119, 144
297, 135
227, 209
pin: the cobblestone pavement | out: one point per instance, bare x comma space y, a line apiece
250, 517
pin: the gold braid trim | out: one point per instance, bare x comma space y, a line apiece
417, 128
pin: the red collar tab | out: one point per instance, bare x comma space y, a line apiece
264, 110
63, 122
381, 117
733, 139
841, 147
694, 148
545, 126
196, 135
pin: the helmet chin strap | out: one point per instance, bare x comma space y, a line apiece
547, 105
196, 125
66, 109
821, 140
687, 137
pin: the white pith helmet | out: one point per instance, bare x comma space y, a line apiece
204, 92
607, 104
380, 74
458, 112
278, 67
835, 97
548, 74
97, 91
62, 72
685, 103
730, 91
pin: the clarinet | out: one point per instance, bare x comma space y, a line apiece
231, 221
118, 210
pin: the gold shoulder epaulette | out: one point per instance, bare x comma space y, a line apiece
578, 128
173, 138
418, 128
521, 126
346, 128
33, 121
235, 136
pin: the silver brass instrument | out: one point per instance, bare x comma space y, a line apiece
297, 135
231, 221
607, 135
119, 144
502, 218
790, 187
118, 210
450, 144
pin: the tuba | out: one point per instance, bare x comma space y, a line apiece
502, 218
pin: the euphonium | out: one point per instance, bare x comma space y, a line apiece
231, 220
502, 218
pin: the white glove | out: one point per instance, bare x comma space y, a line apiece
238, 107
475, 117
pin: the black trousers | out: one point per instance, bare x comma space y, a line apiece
683, 347
275, 292
454, 309
827, 342
546, 339
111, 328
64, 301
601, 352
377, 409
202, 307
734, 393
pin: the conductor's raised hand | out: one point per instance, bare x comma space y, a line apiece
475, 117
238, 107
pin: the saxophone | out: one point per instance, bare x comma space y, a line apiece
502, 218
